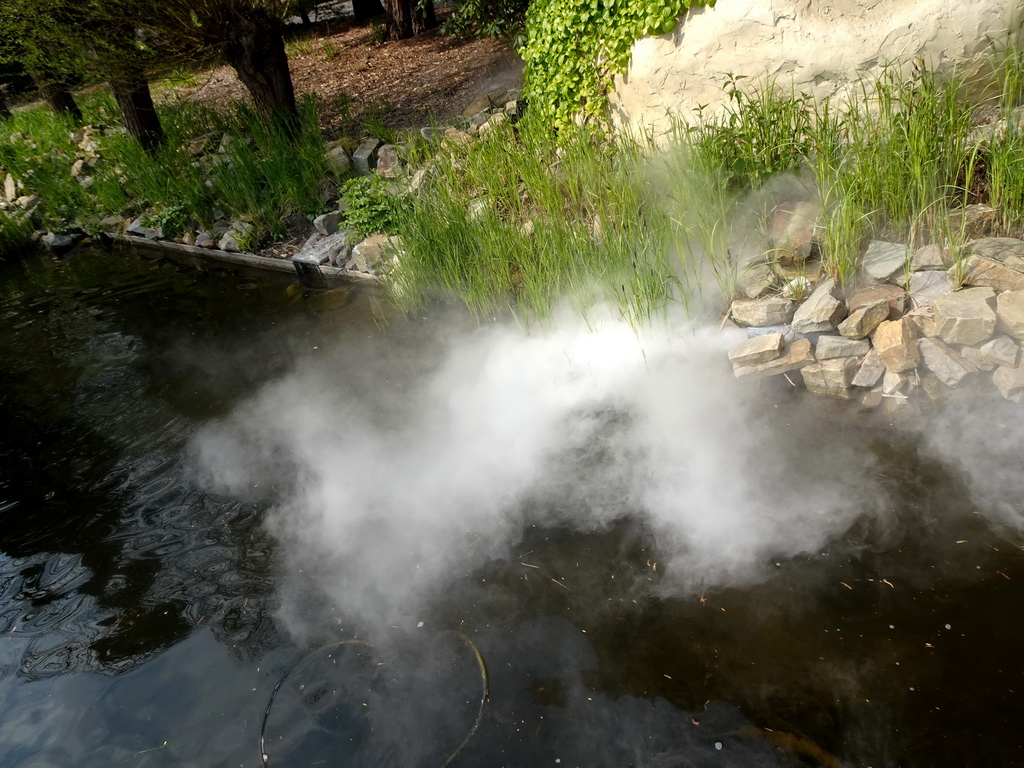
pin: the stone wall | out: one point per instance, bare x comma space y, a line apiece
818, 47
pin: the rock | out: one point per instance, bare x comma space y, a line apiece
983, 271
10, 188
1005, 250
417, 179
883, 260
870, 371
138, 229
756, 350
973, 356
791, 233
493, 123
368, 254
477, 209
862, 322
1010, 312
761, 312
894, 296
893, 383
388, 162
872, 399
934, 389
1010, 383
922, 320
925, 287
1002, 350
59, 242
364, 156
965, 317
829, 347
477, 120
480, 104
334, 249
928, 257
821, 312
327, 223
237, 238
512, 108
896, 345
433, 135
111, 223
27, 201
972, 221
229, 242
830, 377
796, 288
948, 366
204, 240
76, 168
337, 160
795, 357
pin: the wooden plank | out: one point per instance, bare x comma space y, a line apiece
190, 254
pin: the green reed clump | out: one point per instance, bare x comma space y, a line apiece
520, 220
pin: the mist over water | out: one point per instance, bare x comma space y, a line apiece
394, 476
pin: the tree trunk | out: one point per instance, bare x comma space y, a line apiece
255, 48
304, 15
398, 24
423, 18
366, 9
58, 97
131, 90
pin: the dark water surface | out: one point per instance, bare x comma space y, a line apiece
138, 620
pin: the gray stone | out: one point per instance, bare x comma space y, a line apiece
334, 249
364, 156
757, 349
965, 317
870, 371
883, 260
922, 320
760, 312
229, 242
1010, 311
872, 399
973, 356
433, 135
204, 240
139, 229
417, 180
1010, 383
934, 389
948, 366
76, 168
893, 382
337, 159
478, 119
925, 287
791, 232
830, 377
928, 257
794, 358
829, 347
972, 221
10, 188
58, 242
864, 320
1002, 350
983, 271
27, 201
894, 296
821, 312
327, 223
493, 123
368, 255
896, 345
388, 162
111, 223
1005, 250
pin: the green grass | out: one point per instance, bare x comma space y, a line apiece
262, 174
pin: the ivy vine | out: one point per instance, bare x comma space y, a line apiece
574, 48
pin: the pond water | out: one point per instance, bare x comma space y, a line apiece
179, 587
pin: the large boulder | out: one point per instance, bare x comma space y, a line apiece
803, 45
830, 377
1010, 310
884, 260
797, 356
948, 366
995, 262
864, 320
757, 349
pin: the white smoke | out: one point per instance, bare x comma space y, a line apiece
397, 476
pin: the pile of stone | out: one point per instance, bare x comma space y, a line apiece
917, 325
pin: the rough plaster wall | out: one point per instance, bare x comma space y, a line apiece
818, 47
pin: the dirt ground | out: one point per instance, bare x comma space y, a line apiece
404, 83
